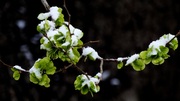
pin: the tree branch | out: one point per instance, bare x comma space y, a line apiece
5, 64
46, 5
69, 15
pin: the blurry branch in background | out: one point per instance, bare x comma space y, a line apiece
46, 5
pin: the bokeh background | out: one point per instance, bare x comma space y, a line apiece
123, 27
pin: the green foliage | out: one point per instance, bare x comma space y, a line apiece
16, 73
138, 65
173, 44
40, 71
60, 40
86, 84
120, 65
60, 19
145, 58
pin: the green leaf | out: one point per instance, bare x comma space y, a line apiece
92, 86
51, 70
120, 65
95, 88
173, 44
145, 58
77, 85
46, 26
165, 56
143, 54
158, 61
47, 65
60, 20
164, 50
138, 65
53, 53
40, 30
16, 75
33, 78
45, 81
13, 69
147, 61
80, 43
84, 90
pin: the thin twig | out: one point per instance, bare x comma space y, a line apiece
45, 35
13, 67
69, 15
174, 37
65, 68
110, 60
5, 64
82, 71
91, 42
46, 5
101, 66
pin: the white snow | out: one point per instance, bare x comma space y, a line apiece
161, 42
36, 71
65, 44
51, 34
86, 81
90, 51
87, 51
19, 68
43, 44
71, 54
120, 59
99, 75
43, 16
54, 13
78, 33
95, 80
74, 40
63, 29
71, 28
50, 23
132, 59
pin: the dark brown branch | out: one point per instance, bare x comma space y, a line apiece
174, 37
78, 68
5, 64
69, 15
91, 42
65, 68
46, 5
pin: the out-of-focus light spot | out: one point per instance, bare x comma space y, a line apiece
28, 55
115, 82
21, 24
22, 10
106, 74
35, 39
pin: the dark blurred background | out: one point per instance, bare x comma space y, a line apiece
124, 27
